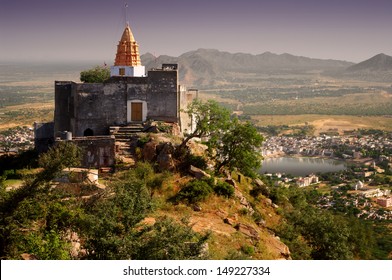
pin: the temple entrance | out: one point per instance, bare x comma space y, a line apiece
88, 132
136, 111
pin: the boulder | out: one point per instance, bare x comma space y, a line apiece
268, 202
247, 230
152, 129
231, 182
243, 201
198, 173
150, 151
165, 158
196, 208
27, 257
258, 182
229, 221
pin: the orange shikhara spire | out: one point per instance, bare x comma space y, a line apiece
127, 50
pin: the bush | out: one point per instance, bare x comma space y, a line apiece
197, 161
259, 190
224, 189
187, 159
195, 191
97, 74
247, 249
143, 141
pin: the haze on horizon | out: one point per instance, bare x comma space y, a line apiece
57, 30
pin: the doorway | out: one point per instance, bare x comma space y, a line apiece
88, 132
136, 111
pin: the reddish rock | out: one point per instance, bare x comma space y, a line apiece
150, 151
229, 221
165, 158
247, 230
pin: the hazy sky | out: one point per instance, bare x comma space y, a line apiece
352, 30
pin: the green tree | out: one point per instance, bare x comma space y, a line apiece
238, 148
33, 204
170, 240
210, 121
97, 74
109, 223
64, 154
231, 143
112, 226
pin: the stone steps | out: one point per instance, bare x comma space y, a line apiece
126, 130
124, 136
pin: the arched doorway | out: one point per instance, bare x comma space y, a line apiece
88, 132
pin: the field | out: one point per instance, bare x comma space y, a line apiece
325, 103
26, 114
27, 91
323, 123
27, 95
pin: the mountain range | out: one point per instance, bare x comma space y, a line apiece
209, 66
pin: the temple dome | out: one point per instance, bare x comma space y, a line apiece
127, 50
127, 35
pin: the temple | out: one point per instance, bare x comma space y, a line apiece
88, 112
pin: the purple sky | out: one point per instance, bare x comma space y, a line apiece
51, 30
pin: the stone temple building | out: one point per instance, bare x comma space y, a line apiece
131, 96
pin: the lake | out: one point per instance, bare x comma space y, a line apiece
301, 166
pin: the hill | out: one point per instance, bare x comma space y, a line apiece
380, 62
209, 66
377, 68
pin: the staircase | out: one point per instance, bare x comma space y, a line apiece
125, 135
125, 132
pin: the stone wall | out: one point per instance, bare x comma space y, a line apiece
163, 97
97, 151
98, 106
64, 106
43, 136
186, 97
89, 109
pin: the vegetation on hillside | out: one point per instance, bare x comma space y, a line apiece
313, 233
40, 221
146, 214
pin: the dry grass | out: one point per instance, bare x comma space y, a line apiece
25, 115
327, 122
225, 239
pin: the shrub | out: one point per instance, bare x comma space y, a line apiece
97, 74
247, 249
187, 159
224, 189
142, 141
243, 211
259, 190
195, 191
197, 161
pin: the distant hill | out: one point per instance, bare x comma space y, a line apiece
208, 66
380, 62
378, 68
